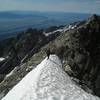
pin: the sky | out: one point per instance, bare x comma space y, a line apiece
82, 6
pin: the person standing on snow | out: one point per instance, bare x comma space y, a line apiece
48, 52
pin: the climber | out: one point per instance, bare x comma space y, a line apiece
48, 52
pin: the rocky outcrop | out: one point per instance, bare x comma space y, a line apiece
81, 49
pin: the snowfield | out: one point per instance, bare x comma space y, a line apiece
48, 81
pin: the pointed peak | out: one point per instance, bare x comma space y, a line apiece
94, 17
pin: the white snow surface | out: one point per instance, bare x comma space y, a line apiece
1, 59
54, 32
48, 81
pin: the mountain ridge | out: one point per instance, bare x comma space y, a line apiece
49, 82
76, 47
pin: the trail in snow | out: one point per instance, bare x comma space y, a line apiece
48, 81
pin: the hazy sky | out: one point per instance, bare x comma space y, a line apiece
83, 6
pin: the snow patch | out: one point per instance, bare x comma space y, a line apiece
1, 59
11, 72
50, 33
62, 30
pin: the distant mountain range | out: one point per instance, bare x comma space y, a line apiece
12, 22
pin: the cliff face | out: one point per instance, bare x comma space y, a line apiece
81, 49
90, 40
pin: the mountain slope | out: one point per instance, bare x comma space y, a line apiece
78, 47
48, 81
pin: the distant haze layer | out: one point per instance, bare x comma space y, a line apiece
12, 22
